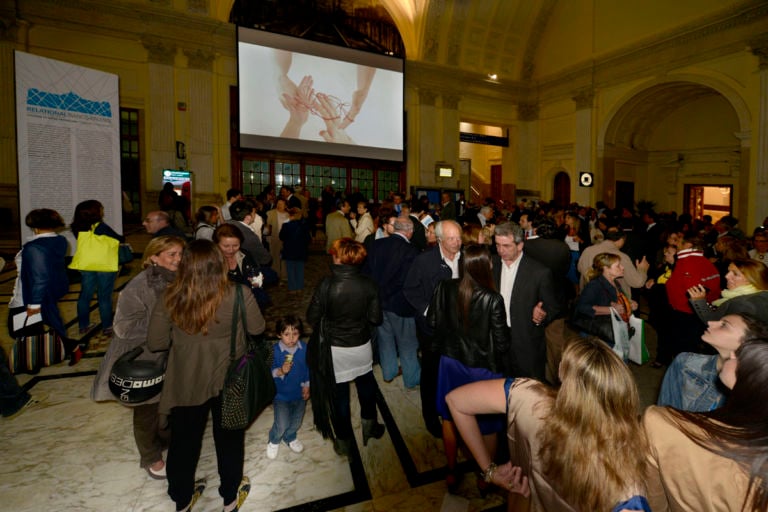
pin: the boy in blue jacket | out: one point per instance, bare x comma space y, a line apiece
289, 369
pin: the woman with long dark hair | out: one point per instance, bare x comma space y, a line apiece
715, 460
345, 306
472, 338
194, 322
90, 215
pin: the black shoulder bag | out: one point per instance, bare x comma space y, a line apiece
248, 387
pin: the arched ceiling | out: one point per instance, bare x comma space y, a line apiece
529, 40
634, 124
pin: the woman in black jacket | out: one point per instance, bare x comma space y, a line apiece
343, 311
472, 338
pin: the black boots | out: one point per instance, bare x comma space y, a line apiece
343, 447
372, 429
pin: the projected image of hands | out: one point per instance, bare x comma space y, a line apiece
303, 100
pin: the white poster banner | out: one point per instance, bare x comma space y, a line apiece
68, 138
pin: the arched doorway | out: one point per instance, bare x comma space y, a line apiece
562, 192
672, 136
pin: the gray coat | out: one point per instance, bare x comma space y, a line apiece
134, 308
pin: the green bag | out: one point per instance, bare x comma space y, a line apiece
95, 253
248, 387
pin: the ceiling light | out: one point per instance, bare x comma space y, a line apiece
492, 76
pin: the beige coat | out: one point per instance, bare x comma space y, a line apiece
683, 476
336, 226
197, 364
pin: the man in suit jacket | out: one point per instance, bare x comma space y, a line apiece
428, 269
545, 246
529, 295
291, 201
388, 263
412, 210
242, 216
448, 209
337, 226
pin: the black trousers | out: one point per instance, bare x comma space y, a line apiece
187, 429
430, 361
366, 395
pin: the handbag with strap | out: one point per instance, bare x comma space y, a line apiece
248, 386
95, 253
31, 353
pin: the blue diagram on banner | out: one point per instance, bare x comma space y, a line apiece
68, 101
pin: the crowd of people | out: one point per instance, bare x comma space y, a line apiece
495, 314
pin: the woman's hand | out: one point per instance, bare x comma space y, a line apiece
634, 305
618, 307
33, 311
697, 292
649, 283
511, 478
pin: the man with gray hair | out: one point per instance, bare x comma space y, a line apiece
531, 302
389, 260
428, 269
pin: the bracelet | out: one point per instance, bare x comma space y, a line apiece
488, 473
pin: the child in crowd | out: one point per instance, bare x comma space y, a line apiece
289, 369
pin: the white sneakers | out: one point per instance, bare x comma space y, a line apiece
296, 446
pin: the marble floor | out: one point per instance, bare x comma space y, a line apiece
70, 454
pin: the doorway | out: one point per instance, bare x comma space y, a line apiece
713, 200
562, 192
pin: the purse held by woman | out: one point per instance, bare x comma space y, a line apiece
248, 387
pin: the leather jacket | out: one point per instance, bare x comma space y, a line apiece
485, 342
351, 307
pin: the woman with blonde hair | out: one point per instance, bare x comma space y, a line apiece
134, 308
194, 323
577, 448
744, 277
601, 294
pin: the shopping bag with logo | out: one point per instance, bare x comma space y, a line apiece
620, 335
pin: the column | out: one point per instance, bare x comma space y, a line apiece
583, 145
528, 153
451, 127
201, 120
161, 140
761, 188
428, 136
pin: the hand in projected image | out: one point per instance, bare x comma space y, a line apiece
297, 104
364, 78
333, 131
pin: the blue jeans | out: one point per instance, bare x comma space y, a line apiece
691, 384
397, 336
295, 271
288, 416
103, 283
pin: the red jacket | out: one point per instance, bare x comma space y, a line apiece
692, 268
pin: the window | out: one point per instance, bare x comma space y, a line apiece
363, 178
256, 176
387, 181
130, 161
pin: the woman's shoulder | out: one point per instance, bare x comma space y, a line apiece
659, 423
